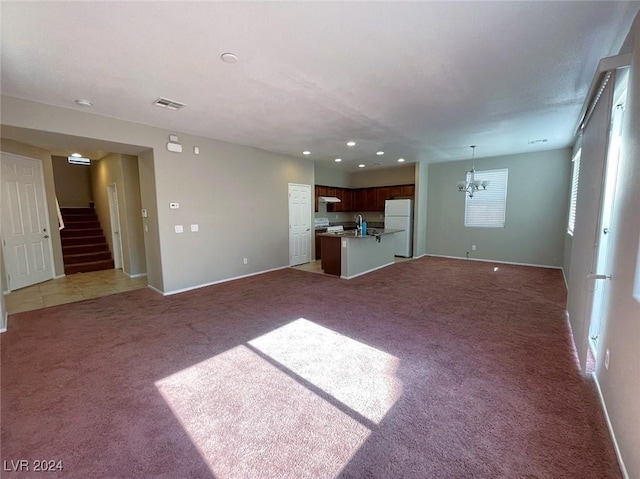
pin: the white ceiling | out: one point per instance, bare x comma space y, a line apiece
418, 80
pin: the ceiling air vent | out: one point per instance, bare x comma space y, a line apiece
169, 104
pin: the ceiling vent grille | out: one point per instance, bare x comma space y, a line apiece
168, 104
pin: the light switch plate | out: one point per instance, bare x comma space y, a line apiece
194, 228
179, 228
144, 213
174, 206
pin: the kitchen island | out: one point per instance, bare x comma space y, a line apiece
348, 254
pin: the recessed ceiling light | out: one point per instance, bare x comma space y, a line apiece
76, 155
338, 160
229, 58
306, 152
360, 165
379, 153
351, 143
85, 103
400, 160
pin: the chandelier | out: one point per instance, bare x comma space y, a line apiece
471, 185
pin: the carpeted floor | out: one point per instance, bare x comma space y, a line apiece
432, 368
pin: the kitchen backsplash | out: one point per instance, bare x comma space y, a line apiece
370, 216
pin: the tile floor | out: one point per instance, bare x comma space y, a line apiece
72, 288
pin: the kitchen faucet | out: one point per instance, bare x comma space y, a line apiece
359, 224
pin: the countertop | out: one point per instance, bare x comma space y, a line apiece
371, 233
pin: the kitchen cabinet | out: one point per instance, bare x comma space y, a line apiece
362, 199
382, 195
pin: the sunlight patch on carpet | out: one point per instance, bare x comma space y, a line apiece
249, 419
359, 376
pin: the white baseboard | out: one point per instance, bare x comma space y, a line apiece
132, 276
3, 329
564, 276
368, 271
623, 468
155, 290
59, 276
190, 288
533, 265
421, 256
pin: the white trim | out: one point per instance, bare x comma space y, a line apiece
421, 256
367, 271
564, 276
6, 321
155, 290
623, 468
139, 275
496, 261
190, 288
59, 276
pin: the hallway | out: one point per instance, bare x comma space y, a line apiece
71, 289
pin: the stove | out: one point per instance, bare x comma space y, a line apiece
321, 223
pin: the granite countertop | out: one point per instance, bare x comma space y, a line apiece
371, 233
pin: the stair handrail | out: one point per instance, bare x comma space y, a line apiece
60, 220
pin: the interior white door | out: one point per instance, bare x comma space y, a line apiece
25, 222
114, 216
299, 224
585, 235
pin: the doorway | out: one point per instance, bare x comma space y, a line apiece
25, 222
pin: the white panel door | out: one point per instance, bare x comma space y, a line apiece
25, 222
299, 224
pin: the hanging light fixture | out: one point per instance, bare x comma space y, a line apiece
471, 185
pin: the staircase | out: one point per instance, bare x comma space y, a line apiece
84, 247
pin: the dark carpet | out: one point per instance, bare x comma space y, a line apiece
431, 368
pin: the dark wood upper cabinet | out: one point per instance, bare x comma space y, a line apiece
362, 199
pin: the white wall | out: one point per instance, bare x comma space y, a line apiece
73, 183
536, 210
399, 175
123, 171
620, 384
237, 195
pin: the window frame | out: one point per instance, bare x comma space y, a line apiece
498, 222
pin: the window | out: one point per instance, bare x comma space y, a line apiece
574, 193
79, 160
487, 208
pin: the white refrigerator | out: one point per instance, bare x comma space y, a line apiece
398, 214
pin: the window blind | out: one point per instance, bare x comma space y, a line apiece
574, 193
487, 208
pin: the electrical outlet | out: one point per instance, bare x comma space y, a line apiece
245, 260
606, 359
473, 247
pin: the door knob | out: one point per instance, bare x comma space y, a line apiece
605, 231
46, 236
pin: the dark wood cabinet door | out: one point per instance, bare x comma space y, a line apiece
408, 190
382, 195
395, 191
347, 200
